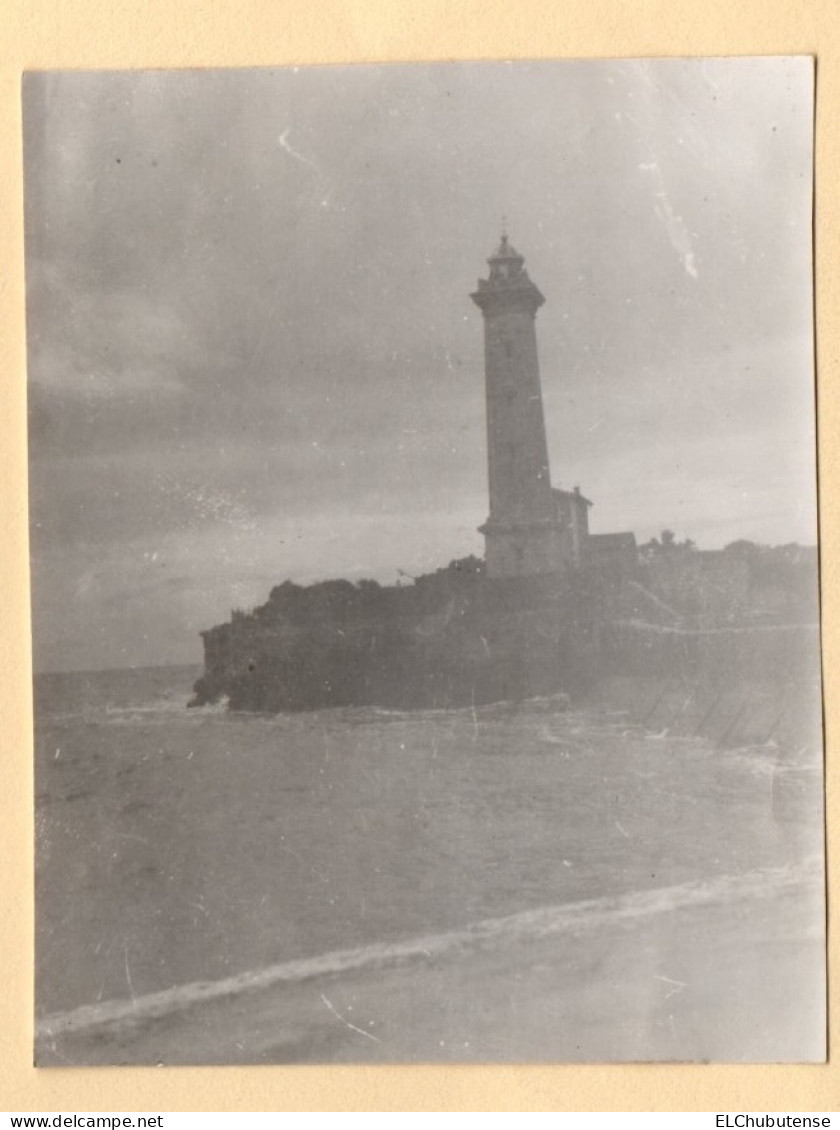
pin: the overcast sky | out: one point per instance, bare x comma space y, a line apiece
252, 354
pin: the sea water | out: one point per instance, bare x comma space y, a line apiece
175, 846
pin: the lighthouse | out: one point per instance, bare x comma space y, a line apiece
527, 532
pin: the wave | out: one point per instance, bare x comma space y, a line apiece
161, 709
524, 926
156, 706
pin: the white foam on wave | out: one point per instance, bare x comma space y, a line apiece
158, 706
526, 925
158, 710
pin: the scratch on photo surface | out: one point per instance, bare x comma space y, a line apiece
133, 836
128, 972
55, 1051
678, 233
347, 1023
677, 986
283, 142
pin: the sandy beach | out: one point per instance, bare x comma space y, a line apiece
633, 980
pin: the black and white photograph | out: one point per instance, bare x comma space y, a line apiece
424, 563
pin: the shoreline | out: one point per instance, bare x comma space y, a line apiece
544, 983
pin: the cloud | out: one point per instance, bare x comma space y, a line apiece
248, 313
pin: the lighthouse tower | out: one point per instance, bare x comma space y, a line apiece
524, 534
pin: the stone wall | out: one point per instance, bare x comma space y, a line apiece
784, 716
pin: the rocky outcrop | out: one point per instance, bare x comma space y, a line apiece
451, 638
457, 637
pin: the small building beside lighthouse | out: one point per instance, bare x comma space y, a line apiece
533, 529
